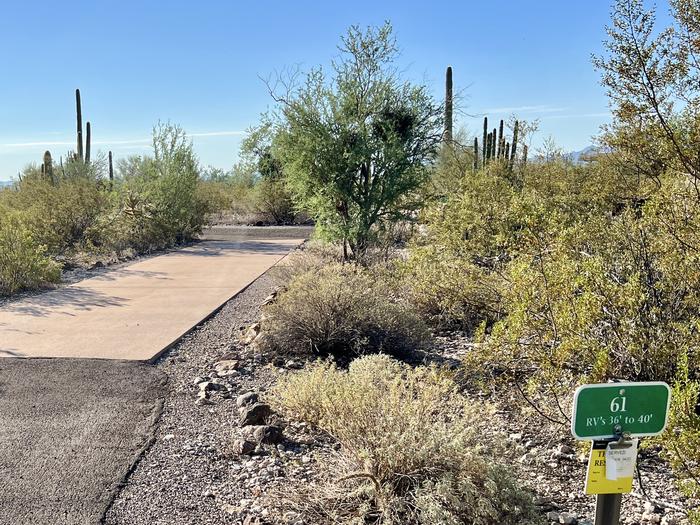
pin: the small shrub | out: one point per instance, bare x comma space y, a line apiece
273, 202
342, 311
449, 291
408, 449
23, 263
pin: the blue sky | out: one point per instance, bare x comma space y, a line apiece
198, 64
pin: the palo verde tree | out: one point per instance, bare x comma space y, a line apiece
652, 76
356, 145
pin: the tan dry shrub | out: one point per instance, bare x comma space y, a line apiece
408, 448
343, 311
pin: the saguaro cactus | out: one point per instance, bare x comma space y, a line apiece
483, 144
500, 140
513, 146
47, 166
87, 143
496, 145
111, 170
79, 118
448, 105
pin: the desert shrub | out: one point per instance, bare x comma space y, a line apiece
218, 196
61, 212
408, 448
273, 202
449, 291
173, 175
23, 261
158, 198
344, 311
311, 257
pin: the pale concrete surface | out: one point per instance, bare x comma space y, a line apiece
70, 431
137, 311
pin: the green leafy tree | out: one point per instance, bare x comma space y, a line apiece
356, 146
652, 77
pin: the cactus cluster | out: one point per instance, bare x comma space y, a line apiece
495, 146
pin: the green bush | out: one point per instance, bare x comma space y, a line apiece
408, 449
273, 202
344, 311
23, 262
449, 291
60, 213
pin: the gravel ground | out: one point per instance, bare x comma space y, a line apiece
190, 475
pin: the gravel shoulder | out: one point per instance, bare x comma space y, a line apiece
187, 475
70, 430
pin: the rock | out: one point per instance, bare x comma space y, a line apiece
268, 434
567, 519
650, 517
669, 520
226, 367
211, 386
566, 450
242, 447
292, 364
515, 437
649, 507
553, 516
256, 414
252, 332
269, 299
249, 398
203, 401
168, 437
545, 504
199, 379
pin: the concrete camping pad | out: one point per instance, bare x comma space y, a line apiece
138, 311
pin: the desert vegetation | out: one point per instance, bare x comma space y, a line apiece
91, 207
549, 272
559, 273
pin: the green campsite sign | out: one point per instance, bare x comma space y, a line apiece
607, 410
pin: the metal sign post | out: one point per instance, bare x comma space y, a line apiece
607, 509
613, 415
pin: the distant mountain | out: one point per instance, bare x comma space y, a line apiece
587, 153
6, 183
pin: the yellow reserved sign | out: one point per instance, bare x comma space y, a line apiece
610, 469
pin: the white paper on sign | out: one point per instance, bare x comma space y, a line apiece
620, 460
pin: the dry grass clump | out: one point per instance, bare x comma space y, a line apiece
343, 311
408, 449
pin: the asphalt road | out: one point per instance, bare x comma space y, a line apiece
70, 430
